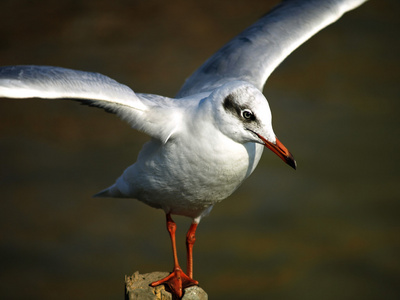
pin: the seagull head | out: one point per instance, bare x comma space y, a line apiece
242, 113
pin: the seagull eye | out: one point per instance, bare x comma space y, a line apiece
247, 114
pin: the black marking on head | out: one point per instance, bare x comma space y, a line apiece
230, 105
237, 110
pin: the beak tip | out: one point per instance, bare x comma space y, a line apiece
291, 162
279, 149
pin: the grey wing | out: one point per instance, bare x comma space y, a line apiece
255, 53
142, 113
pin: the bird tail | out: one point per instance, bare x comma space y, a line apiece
110, 192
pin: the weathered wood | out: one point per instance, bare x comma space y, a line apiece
137, 287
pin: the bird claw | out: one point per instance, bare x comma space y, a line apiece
177, 281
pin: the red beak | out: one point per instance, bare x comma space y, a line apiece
279, 149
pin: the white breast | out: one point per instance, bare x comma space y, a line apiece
189, 174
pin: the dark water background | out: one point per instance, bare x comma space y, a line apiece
329, 230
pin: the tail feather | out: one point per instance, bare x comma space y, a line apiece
110, 192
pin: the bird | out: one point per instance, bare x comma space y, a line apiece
207, 139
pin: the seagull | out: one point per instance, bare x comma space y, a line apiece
208, 139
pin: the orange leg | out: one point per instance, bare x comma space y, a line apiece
177, 280
190, 239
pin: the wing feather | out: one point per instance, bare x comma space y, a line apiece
94, 89
255, 53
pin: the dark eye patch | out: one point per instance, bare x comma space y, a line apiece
231, 106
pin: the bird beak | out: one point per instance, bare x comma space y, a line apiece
279, 149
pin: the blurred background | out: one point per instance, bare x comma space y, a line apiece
329, 230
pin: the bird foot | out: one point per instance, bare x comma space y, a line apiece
177, 281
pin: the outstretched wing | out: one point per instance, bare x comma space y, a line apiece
150, 114
255, 53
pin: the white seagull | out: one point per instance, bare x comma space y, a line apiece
207, 140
